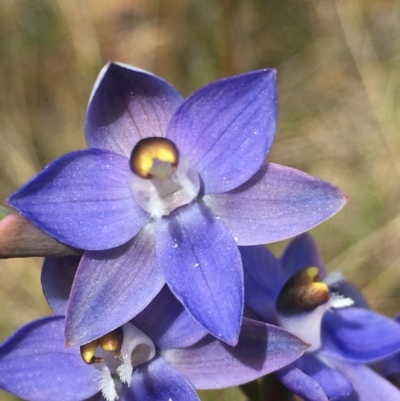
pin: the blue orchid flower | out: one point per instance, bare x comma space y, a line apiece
162, 354
166, 191
327, 313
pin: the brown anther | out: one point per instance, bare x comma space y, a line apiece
148, 150
302, 293
88, 350
97, 359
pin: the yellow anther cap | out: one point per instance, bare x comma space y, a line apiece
109, 342
87, 352
302, 293
112, 342
148, 150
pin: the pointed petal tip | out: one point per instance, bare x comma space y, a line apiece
272, 72
262, 349
277, 203
231, 339
340, 193
117, 65
347, 198
126, 105
230, 335
75, 339
232, 125
99, 78
261, 73
343, 200
211, 285
70, 341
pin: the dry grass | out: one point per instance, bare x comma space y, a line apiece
339, 86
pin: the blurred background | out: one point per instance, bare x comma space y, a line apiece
339, 93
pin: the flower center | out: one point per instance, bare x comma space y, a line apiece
163, 179
301, 305
119, 352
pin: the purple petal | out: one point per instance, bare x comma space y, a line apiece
276, 203
112, 287
301, 384
35, 365
227, 128
83, 199
348, 290
167, 322
359, 335
128, 104
302, 252
20, 238
262, 349
158, 381
367, 384
262, 280
201, 264
57, 278
335, 386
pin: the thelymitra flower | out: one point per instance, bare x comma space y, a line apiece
162, 354
327, 313
166, 191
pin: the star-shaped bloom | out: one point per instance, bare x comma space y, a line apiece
166, 191
162, 354
343, 338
